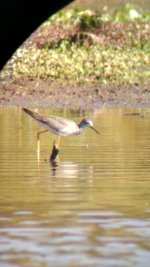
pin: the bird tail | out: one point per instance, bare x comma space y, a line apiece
38, 117
41, 119
29, 112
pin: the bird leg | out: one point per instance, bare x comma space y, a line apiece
58, 142
38, 140
55, 150
38, 134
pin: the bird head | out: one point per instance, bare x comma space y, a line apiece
87, 123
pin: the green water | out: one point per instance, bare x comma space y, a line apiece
91, 207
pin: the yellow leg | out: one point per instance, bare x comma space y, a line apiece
38, 142
38, 134
58, 141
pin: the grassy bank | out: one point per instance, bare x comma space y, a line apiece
80, 46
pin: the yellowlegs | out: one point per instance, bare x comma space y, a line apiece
59, 125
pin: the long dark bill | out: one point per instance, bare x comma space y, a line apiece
95, 130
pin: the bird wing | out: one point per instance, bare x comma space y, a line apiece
55, 124
61, 125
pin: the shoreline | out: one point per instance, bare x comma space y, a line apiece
45, 94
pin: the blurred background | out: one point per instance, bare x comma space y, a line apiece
98, 5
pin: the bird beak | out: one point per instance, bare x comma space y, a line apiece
94, 129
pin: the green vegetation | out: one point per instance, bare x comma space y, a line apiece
80, 46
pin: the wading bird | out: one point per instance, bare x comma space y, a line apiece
59, 125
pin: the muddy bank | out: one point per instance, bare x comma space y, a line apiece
86, 49
45, 94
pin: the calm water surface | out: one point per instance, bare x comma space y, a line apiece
91, 207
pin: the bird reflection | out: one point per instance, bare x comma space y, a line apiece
54, 166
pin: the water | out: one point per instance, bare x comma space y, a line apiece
91, 207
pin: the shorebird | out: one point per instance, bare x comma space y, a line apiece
59, 125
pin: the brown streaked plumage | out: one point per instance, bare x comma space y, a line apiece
59, 125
